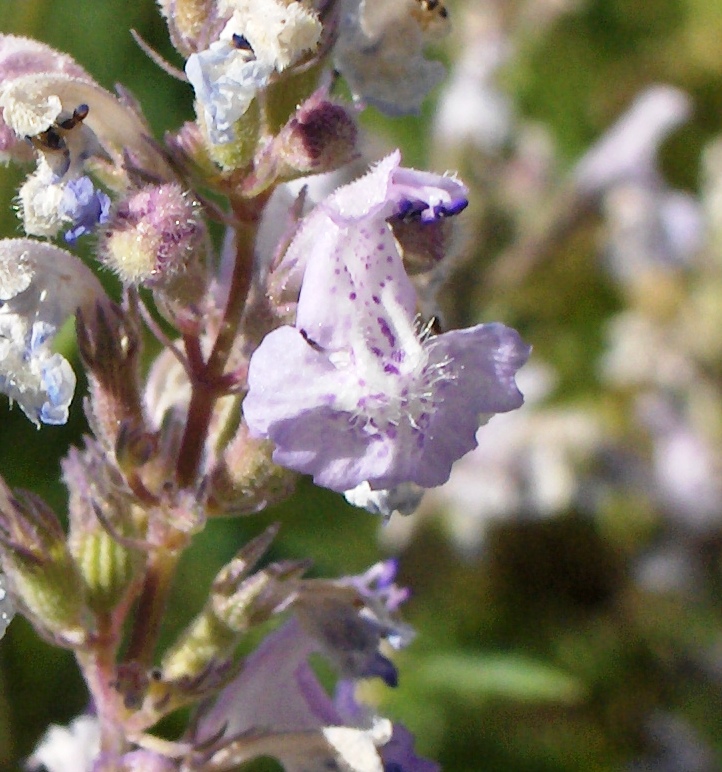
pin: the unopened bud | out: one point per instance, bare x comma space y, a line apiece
188, 22
320, 137
109, 345
239, 152
246, 480
100, 522
153, 235
237, 602
107, 567
40, 568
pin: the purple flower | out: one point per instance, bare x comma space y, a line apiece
398, 754
355, 392
84, 206
276, 706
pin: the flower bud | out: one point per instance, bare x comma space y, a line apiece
99, 519
246, 480
237, 602
109, 345
240, 150
188, 22
321, 137
153, 235
107, 567
39, 567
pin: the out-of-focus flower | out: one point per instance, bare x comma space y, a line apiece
355, 392
380, 51
398, 754
259, 39
641, 351
40, 286
687, 467
276, 705
472, 110
350, 637
135, 761
650, 228
628, 150
68, 749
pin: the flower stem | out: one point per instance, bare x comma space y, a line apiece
151, 606
98, 667
208, 383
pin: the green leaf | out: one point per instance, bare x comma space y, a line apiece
506, 676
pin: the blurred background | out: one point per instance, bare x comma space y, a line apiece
566, 581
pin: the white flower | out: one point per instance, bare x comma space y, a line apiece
68, 749
40, 286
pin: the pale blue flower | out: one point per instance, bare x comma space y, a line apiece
225, 81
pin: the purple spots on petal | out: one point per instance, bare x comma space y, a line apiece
386, 331
352, 296
391, 369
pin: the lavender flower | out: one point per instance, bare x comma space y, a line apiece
355, 392
398, 754
276, 706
